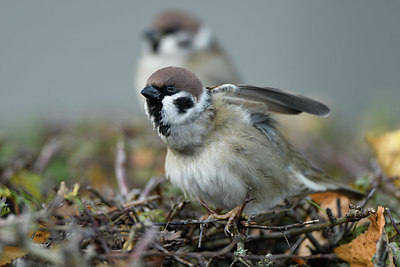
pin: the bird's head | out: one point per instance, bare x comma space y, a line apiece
174, 97
174, 33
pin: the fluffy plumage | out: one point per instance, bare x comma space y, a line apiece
176, 38
225, 142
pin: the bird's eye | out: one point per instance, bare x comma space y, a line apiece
171, 89
171, 30
185, 43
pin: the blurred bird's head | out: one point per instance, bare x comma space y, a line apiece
174, 33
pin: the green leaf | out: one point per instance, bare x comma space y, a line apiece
153, 215
4, 191
30, 183
4, 209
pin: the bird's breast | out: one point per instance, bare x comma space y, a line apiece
208, 176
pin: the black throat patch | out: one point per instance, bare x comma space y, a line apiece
154, 109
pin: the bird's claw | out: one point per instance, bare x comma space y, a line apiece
232, 217
231, 228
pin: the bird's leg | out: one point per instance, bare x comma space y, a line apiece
232, 216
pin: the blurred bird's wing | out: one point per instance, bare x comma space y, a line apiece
275, 100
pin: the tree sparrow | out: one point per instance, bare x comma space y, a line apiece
222, 141
176, 38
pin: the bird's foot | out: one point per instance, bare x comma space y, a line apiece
233, 217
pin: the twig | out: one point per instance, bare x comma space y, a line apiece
50, 148
392, 220
134, 203
297, 244
381, 251
339, 212
281, 228
152, 184
176, 208
96, 229
142, 246
314, 241
175, 257
352, 215
201, 235
222, 252
97, 194
288, 256
120, 171
371, 192
186, 222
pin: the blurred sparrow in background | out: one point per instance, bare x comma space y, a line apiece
176, 38
222, 141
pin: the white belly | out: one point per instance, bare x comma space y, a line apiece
210, 178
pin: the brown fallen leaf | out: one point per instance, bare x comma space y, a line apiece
41, 237
387, 150
359, 252
11, 253
329, 200
324, 200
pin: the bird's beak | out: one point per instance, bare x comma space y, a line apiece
154, 38
151, 93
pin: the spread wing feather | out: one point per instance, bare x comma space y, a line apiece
276, 100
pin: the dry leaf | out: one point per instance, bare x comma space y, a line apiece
324, 200
329, 200
359, 252
41, 236
387, 149
11, 253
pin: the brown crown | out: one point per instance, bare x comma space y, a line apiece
180, 78
175, 19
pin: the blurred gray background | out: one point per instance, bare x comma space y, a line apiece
74, 59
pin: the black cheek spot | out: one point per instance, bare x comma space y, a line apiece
183, 104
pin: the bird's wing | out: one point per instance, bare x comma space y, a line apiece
276, 100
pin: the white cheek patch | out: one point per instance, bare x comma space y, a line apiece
203, 38
170, 112
169, 45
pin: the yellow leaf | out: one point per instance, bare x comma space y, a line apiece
359, 252
11, 253
387, 150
